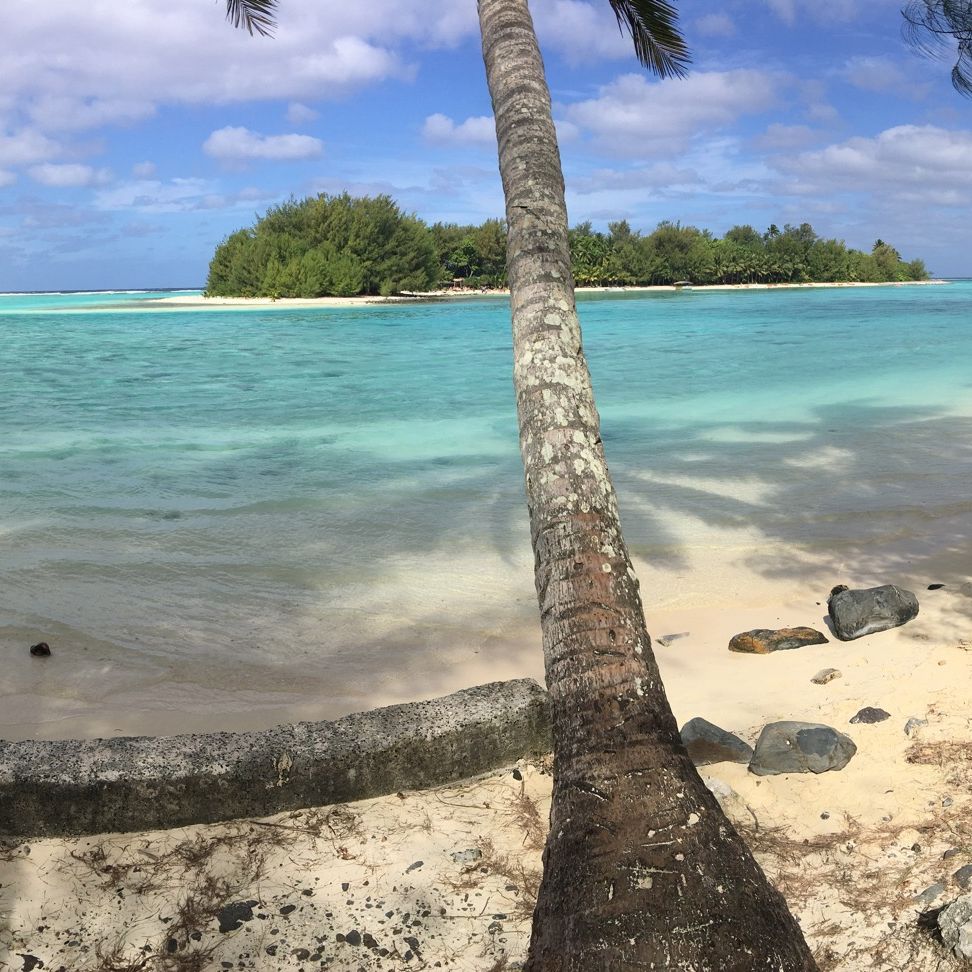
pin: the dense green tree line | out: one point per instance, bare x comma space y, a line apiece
326, 245
343, 246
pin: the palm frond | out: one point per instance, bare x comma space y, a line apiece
930, 27
658, 42
255, 16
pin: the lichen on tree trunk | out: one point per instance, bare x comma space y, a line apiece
641, 868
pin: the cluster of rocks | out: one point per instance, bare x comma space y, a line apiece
805, 747
782, 747
853, 614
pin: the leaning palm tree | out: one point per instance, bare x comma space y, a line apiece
641, 869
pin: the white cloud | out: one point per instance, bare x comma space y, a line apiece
787, 137
881, 74
66, 68
26, 147
68, 175
907, 162
784, 9
477, 130
634, 115
839, 11
7, 178
715, 25
143, 170
662, 175
299, 114
580, 32
237, 144
176, 196
64, 112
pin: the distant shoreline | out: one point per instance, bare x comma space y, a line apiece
188, 300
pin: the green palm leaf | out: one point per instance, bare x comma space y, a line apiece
658, 43
930, 26
255, 16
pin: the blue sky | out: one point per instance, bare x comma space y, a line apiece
131, 142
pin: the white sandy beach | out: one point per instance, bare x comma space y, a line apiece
850, 849
194, 301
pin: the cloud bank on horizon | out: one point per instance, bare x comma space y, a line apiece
133, 138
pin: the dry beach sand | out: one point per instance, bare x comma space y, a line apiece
445, 878
186, 301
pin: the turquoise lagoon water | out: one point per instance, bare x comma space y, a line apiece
227, 515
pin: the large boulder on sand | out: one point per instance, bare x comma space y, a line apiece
855, 613
800, 747
707, 743
761, 641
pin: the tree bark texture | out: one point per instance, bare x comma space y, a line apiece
641, 868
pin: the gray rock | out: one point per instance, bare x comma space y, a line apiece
825, 675
800, 747
707, 743
762, 641
955, 924
860, 612
929, 895
869, 715
469, 856
912, 724
963, 877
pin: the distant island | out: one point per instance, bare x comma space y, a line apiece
345, 246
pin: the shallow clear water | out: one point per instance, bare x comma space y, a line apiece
267, 504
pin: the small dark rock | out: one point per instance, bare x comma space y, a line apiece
345, 886
369, 941
233, 915
414, 866
41, 650
935, 587
800, 747
308, 892
271, 949
517, 775
301, 954
288, 909
31, 962
950, 853
707, 743
963, 877
762, 641
172, 945
353, 937
855, 613
869, 715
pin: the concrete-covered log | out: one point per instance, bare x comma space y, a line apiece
86, 786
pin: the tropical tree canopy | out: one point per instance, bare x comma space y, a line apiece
932, 25
343, 246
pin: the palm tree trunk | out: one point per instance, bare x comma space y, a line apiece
641, 868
